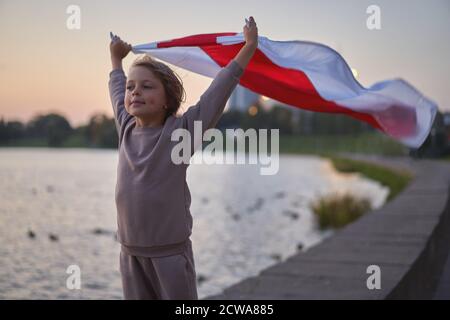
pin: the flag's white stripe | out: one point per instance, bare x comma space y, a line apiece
191, 58
327, 72
142, 48
228, 40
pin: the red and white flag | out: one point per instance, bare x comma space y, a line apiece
306, 75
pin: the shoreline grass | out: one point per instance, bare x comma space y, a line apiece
336, 211
396, 180
365, 143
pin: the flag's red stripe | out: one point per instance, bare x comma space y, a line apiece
289, 86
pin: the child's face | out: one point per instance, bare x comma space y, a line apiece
145, 96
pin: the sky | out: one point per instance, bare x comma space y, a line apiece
46, 67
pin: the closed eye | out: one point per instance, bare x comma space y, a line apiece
131, 87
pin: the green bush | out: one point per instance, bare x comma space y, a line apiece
336, 210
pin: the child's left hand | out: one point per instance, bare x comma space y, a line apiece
251, 33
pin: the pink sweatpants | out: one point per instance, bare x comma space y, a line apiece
170, 277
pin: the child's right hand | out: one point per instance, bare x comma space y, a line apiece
119, 48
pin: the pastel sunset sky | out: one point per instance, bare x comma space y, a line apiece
45, 67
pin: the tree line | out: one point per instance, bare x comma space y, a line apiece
54, 130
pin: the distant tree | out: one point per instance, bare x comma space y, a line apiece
101, 131
435, 145
230, 119
276, 118
54, 127
3, 131
11, 130
281, 118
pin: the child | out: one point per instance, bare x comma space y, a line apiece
152, 196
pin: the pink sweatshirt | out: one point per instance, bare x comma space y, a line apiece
152, 196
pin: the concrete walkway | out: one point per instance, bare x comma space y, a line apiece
407, 239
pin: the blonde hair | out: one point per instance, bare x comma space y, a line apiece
172, 83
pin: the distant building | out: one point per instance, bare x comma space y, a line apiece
301, 118
241, 99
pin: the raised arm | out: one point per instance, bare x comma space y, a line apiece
210, 106
251, 43
117, 80
119, 50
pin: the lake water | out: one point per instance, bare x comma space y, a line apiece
243, 221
